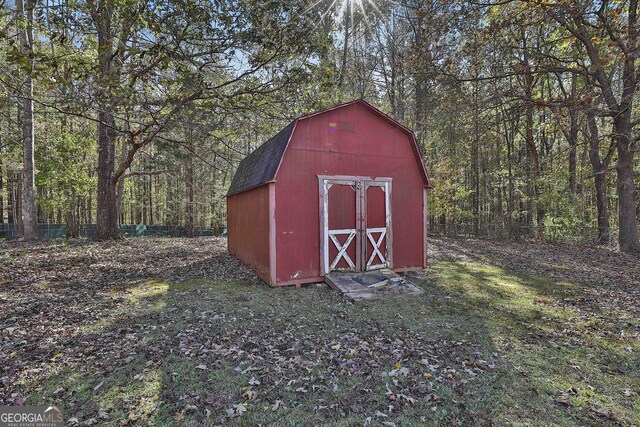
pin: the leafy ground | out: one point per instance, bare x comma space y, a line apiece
176, 331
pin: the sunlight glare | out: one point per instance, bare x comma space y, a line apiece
343, 9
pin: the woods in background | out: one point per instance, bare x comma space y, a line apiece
139, 112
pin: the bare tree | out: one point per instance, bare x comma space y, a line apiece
25, 34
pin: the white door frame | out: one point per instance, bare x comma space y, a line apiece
361, 234
385, 259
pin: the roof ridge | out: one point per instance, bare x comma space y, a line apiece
262, 164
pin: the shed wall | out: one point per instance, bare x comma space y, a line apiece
348, 141
248, 229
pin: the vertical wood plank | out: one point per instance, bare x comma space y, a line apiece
425, 226
323, 225
361, 224
389, 223
272, 233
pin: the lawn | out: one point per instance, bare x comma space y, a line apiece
176, 331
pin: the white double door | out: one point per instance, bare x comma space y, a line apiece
355, 223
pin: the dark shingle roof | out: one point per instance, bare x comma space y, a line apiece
261, 165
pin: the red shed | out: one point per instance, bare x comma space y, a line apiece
341, 189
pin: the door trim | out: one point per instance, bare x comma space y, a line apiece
360, 183
385, 185
324, 183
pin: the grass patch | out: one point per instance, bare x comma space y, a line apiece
147, 289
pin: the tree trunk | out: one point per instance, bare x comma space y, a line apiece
536, 174
139, 208
600, 179
11, 203
150, 200
107, 209
511, 202
42, 214
628, 233
89, 209
73, 224
601, 206
475, 165
17, 207
498, 209
107, 214
132, 206
531, 145
347, 16
1, 195
29, 213
82, 210
120, 186
189, 212
143, 200
168, 201
572, 136
422, 60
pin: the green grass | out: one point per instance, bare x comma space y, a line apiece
482, 346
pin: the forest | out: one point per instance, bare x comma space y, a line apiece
138, 112
495, 286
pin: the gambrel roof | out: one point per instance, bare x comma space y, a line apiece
261, 166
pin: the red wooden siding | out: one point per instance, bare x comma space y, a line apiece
248, 229
353, 141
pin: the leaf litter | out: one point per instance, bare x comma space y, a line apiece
195, 328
